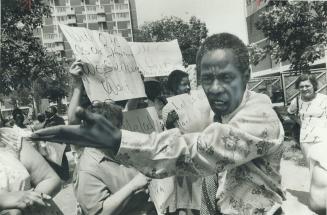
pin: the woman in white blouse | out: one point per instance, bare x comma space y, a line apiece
310, 108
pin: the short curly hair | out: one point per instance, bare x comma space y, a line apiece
175, 78
225, 41
16, 112
307, 77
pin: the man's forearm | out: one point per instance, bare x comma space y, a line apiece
115, 203
49, 186
74, 103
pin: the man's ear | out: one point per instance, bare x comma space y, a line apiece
246, 76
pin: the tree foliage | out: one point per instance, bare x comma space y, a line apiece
296, 31
25, 63
189, 34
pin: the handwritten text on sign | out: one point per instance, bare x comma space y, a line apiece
111, 71
162, 193
193, 110
142, 120
157, 58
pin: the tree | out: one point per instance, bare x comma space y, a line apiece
25, 63
296, 31
189, 34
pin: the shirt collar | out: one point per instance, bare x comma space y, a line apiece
101, 155
226, 118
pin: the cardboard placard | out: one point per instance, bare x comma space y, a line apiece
162, 193
157, 58
142, 120
193, 110
111, 71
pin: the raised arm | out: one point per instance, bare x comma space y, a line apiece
78, 89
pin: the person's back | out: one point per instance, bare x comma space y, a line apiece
100, 177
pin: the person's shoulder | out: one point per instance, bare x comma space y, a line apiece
89, 160
9, 140
259, 98
257, 105
321, 96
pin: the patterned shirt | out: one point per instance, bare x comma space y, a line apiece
245, 149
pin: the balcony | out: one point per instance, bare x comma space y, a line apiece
122, 8
120, 19
59, 47
70, 11
63, 10
101, 18
100, 9
71, 20
90, 9
91, 18
52, 38
52, 47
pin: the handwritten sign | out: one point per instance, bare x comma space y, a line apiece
157, 58
192, 75
193, 110
111, 71
142, 120
163, 194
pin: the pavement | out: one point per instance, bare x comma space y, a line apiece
295, 180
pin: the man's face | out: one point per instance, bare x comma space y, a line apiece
183, 86
222, 81
19, 119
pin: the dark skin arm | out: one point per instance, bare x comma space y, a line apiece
95, 131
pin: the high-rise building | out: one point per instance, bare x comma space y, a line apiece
267, 66
270, 77
112, 16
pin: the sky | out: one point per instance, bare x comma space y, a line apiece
219, 15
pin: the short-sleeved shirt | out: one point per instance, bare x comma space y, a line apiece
98, 177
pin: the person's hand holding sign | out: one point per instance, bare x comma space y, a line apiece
172, 118
95, 131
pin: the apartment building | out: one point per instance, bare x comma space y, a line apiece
270, 77
112, 16
267, 66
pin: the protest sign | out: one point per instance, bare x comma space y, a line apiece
157, 58
162, 193
111, 71
142, 120
192, 76
193, 110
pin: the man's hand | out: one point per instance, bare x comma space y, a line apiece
172, 118
96, 131
140, 183
76, 70
24, 200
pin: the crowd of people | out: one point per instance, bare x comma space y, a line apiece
229, 167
